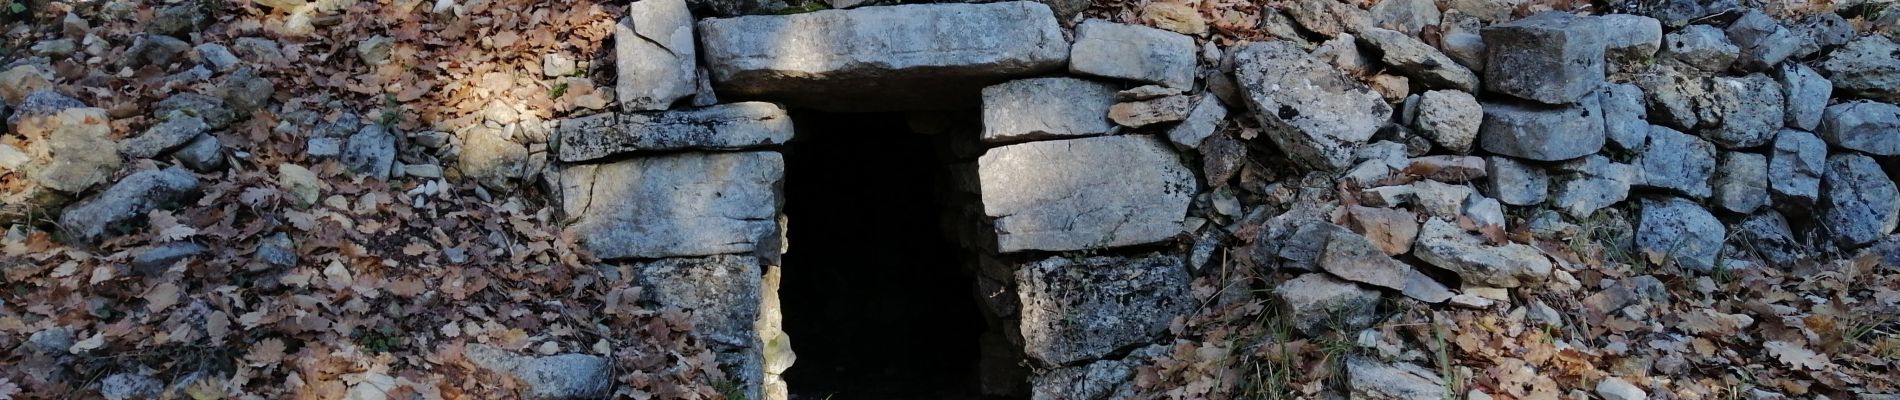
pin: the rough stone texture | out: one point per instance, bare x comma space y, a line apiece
1392, 230
1080, 309
163, 137
1206, 117
1619, 389
1806, 93
1516, 183
1133, 52
371, 152
1625, 120
1141, 113
1543, 133
724, 293
881, 58
688, 204
1319, 304
721, 127
1859, 203
1041, 108
1680, 230
1795, 168
156, 259
1741, 182
492, 160
1373, 380
1407, 16
127, 201
1868, 126
1511, 265
1105, 379
1419, 60
67, 146
1313, 112
1630, 41
557, 377
1769, 236
211, 109
1677, 161
130, 385
277, 250
1328, 18
654, 55
1750, 110
1550, 57
1353, 257
1450, 118
1466, 48
1084, 193
1763, 41
1866, 67
1677, 95
204, 154
1822, 29
1701, 46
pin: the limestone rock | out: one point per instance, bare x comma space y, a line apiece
1863, 125
204, 154
1630, 41
1678, 161
1543, 133
1133, 52
1419, 60
371, 152
1046, 108
300, 183
1405, 16
882, 58
1769, 236
1352, 257
1370, 379
654, 55
1516, 183
687, 204
126, 201
1080, 309
1763, 42
1678, 96
1136, 114
1392, 230
154, 260
1701, 46
1678, 229
67, 146
1320, 303
277, 250
1866, 67
1206, 117
1104, 379
1859, 203
1741, 182
245, 92
1447, 168
1625, 120
1551, 57
164, 137
1450, 118
1806, 93
1750, 110
1617, 389
492, 160
1466, 48
1328, 18
211, 109
1179, 18
22, 80
1510, 265
1796, 166
1822, 30
721, 127
557, 377
1313, 112
1084, 193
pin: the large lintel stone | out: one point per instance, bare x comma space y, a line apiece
686, 204
1084, 193
722, 127
920, 56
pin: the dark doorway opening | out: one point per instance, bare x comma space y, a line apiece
874, 298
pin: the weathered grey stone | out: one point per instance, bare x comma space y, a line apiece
722, 292
1866, 67
1466, 48
1040, 108
1419, 60
1806, 93
1206, 117
1516, 183
1750, 109
278, 250
156, 259
1406, 16
1868, 126
1352, 257
1137, 114
1551, 57
1105, 379
204, 154
1630, 41
1543, 133
654, 55
164, 137
1625, 121
1442, 200
1510, 265
689, 204
1133, 52
1741, 182
211, 109
1859, 203
1310, 110
881, 58
218, 56
1677, 95
1822, 30
1295, 238
1447, 168
1328, 18
1392, 230
126, 201
245, 92
721, 127
371, 152
1678, 229
1677, 161
130, 385
1079, 309
1763, 41
493, 160
1343, 52
1701, 46
67, 147
1370, 379
1484, 10
569, 376
1796, 167
1768, 236
1084, 193
1319, 304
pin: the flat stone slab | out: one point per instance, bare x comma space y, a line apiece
1084, 193
1133, 52
686, 204
1040, 108
1081, 309
922, 56
722, 127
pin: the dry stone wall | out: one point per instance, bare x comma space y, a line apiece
1377, 162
